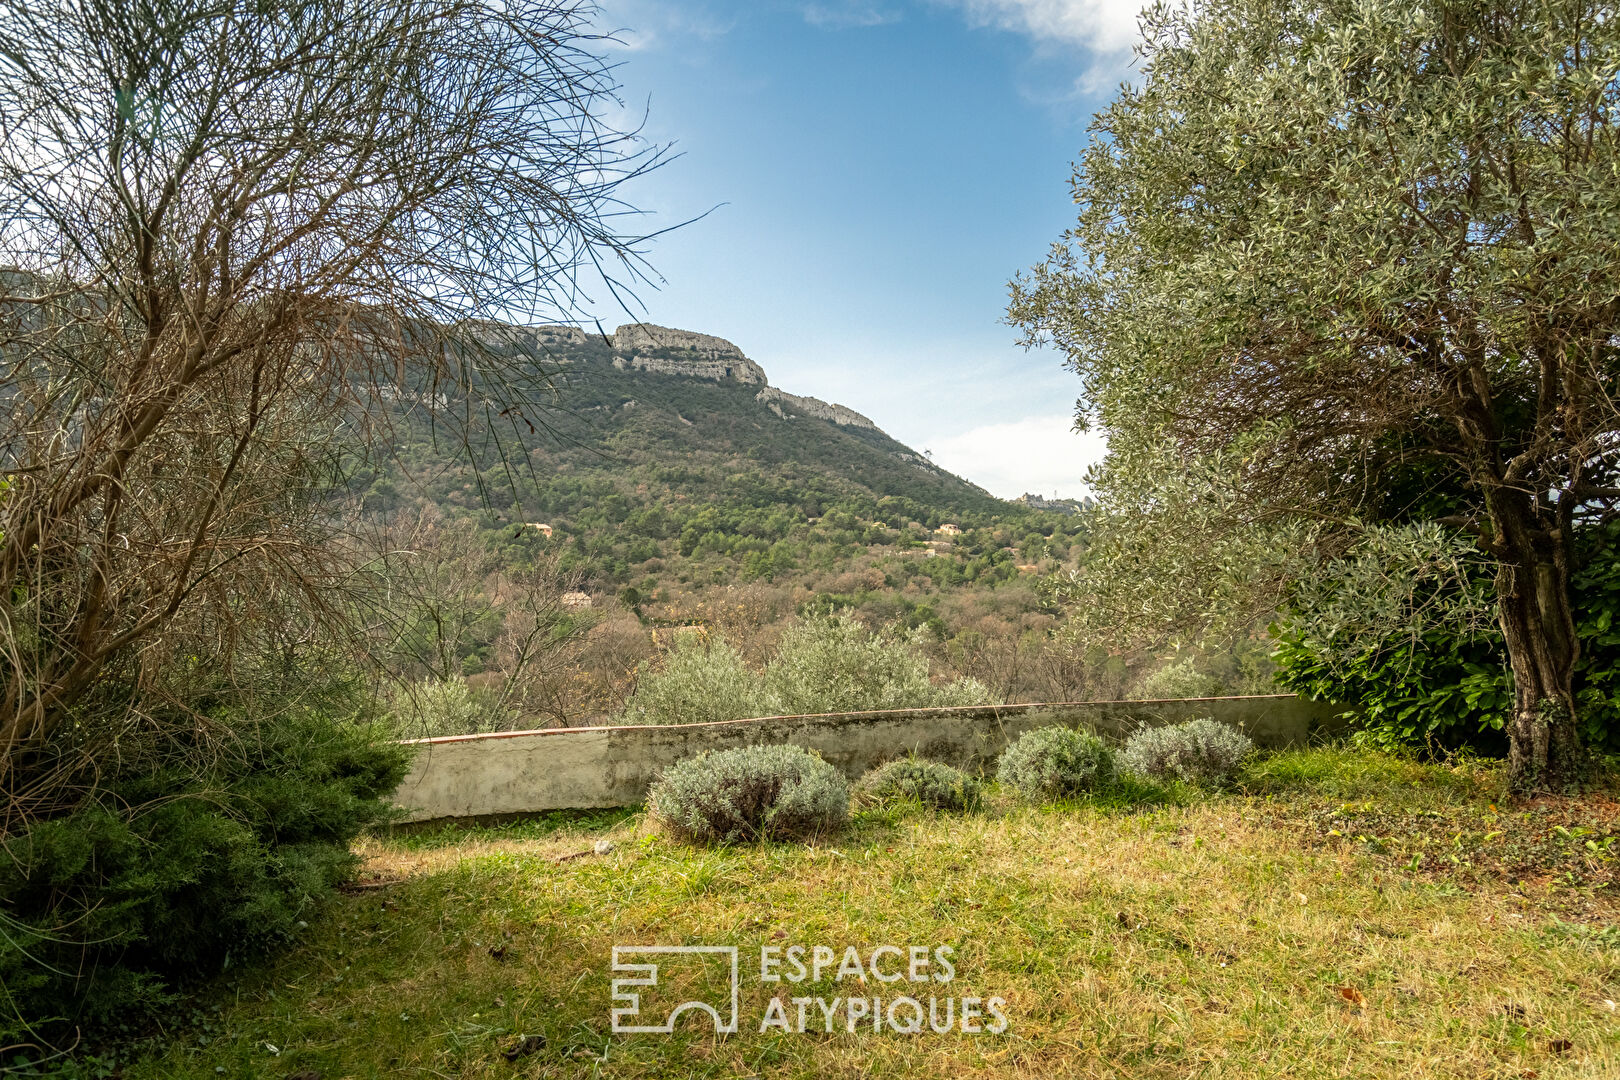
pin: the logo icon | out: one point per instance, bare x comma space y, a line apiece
646, 974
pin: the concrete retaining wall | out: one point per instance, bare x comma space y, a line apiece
575, 768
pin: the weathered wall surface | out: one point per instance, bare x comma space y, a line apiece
569, 768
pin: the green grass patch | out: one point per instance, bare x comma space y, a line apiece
1347, 773
1209, 935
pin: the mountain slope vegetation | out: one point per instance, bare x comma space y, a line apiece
670, 484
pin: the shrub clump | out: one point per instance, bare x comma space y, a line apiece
1056, 762
1178, 681
450, 706
183, 862
1199, 751
833, 663
751, 793
702, 679
826, 664
927, 782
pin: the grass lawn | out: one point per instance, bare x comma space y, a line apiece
1344, 915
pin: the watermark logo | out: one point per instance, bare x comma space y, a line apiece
646, 975
900, 989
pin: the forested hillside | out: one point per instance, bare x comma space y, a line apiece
670, 484
628, 459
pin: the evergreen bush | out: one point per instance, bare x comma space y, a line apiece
825, 664
1198, 751
914, 780
198, 857
1177, 681
751, 793
1056, 763
436, 707
701, 679
833, 663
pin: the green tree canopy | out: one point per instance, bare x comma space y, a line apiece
1325, 246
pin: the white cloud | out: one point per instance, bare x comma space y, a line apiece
1107, 26
640, 25
1102, 31
849, 14
1039, 454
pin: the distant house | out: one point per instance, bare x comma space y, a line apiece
540, 527
949, 530
574, 600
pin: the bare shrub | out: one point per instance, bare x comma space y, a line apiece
226, 262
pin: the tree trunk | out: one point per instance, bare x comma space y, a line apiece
1533, 606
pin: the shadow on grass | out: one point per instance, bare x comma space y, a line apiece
427, 835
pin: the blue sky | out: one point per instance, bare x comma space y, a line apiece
875, 172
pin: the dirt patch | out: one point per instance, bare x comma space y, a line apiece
383, 863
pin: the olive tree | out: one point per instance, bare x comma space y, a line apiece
235, 236
1324, 245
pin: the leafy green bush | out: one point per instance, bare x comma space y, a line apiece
930, 783
1055, 763
1199, 751
1176, 681
701, 679
751, 793
436, 707
1443, 688
183, 863
1450, 687
827, 663
833, 663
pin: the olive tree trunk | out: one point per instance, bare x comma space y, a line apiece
1538, 626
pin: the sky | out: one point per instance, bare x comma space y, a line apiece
868, 175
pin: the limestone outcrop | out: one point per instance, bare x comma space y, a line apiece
667, 351
644, 347
529, 338
788, 405
559, 335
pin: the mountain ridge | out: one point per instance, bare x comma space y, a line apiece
600, 373
670, 351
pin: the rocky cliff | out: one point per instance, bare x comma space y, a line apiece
531, 338
687, 415
667, 351
788, 405
643, 347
